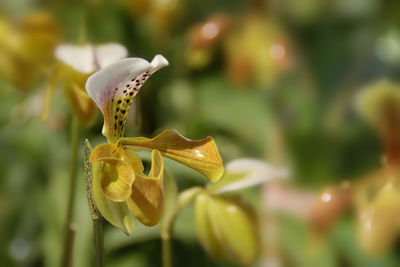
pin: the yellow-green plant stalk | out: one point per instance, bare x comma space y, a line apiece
120, 187
96, 216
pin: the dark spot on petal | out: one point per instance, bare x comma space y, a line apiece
120, 123
123, 111
131, 93
127, 101
119, 101
117, 109
124, 91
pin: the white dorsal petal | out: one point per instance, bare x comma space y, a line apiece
258, 172
114, 87
88, 58
79, 57
101, 85
109, 53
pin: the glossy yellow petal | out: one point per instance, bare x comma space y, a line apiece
117, 174
201, 155
235, 230
204, 229
117, 213
146, 201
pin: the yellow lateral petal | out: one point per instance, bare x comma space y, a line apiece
201, 155
117, 174
80, 102
146, 201
117, 213
83, 106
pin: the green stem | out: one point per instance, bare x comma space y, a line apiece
168, 221
166, 251
95, 214
67, 253
98, 242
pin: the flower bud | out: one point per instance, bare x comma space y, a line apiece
225, 229
378, 219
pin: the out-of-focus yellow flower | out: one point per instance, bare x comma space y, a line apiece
226, 229
202, 39
77, 63
27, 47
256, 51
159, 13
379, 104
120, 187
378, 196
378, 209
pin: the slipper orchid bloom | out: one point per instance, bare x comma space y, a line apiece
119, 186
77, 63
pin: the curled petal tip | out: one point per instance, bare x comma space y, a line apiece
159, 62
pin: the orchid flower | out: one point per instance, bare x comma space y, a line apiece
77, 63
119, 186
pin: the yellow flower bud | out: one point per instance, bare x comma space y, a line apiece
225, 229
378, 218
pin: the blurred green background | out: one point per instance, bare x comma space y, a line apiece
273, 80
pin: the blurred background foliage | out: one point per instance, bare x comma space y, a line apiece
272, 79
